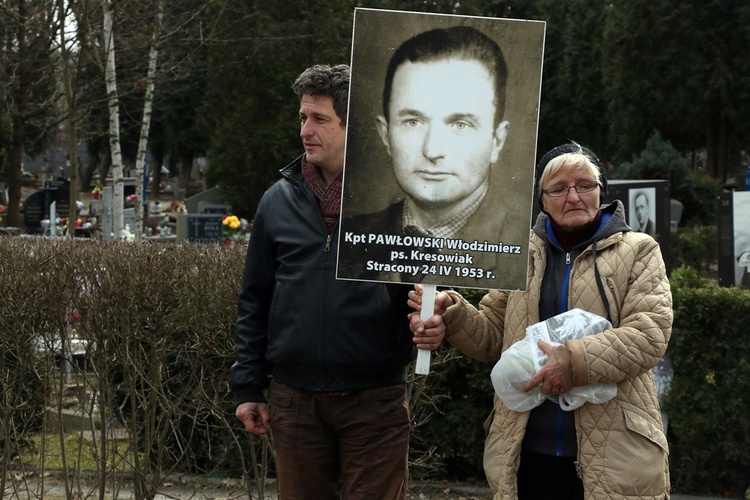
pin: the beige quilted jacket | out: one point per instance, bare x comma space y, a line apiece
622, 449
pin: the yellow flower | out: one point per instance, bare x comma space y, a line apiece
232, 222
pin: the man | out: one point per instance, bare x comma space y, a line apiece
644, 223
443, 127
334, 351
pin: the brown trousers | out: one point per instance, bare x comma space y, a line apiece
353, 446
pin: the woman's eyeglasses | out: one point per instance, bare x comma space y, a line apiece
560, 191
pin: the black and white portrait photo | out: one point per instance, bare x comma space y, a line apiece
742, 238
441, 141
641, 217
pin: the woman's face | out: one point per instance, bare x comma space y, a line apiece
573, 210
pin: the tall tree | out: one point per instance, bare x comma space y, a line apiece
680, 67
573, 102
181, 88
146, 119
258, 49
110, 78
71, 50
28, 94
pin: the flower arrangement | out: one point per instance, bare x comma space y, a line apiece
130, 200
235, 229
62, 223
97, 191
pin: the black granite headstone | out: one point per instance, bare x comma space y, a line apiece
36, 206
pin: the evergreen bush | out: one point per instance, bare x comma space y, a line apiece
661, 160
709, 398
695, 247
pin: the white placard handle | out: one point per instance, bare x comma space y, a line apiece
428, 309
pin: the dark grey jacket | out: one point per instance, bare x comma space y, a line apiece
296, 321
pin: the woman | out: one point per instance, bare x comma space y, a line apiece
582, 255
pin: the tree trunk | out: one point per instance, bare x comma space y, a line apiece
15, 159
18, 123
716, 144
148, 102
110, 78
92, 164
722, 149
156, 174
70, 122
711, 146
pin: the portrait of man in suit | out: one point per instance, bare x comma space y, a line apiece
458, 212
643, 220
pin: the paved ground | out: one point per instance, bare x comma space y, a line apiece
53, 489
677, 496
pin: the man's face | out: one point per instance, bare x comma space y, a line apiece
641, 209
440, 130
323, 133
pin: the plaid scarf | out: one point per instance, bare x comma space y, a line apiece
329, 197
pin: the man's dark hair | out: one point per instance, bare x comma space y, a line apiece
332, 81
458, 42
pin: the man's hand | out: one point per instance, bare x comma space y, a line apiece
428, 335
255, 416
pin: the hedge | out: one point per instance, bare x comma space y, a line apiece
160, 322
709, 399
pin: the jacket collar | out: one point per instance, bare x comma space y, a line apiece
293, 171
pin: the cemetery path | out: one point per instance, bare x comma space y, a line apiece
53, 489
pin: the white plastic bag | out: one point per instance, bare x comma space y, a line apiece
524, 358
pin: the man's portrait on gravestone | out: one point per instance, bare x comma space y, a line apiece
742, 239
438, 177
641, 210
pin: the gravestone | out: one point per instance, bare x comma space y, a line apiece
103, 210
200, 228
36, 206
210, 195
128, 185
205, 207
128, 219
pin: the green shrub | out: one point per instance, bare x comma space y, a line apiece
700, 203
686, 277
660, 160
695, 247
708, 402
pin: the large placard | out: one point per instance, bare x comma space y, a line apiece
441, 145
